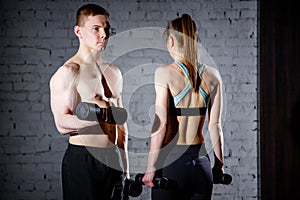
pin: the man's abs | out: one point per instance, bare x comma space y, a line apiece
101, 141
100, 136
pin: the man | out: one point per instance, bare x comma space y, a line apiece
91, 165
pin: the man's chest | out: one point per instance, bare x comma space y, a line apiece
92, 83
89, 83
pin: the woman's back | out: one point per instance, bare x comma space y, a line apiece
183, 97
186, 92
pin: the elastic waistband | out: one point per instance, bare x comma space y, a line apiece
80, 147
195, 149
108, 156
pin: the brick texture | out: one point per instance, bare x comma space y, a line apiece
37, 36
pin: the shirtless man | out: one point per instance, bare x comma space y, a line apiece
93, 162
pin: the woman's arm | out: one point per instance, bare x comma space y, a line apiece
214, 120
158, 131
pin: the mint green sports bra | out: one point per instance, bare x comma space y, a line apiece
182, 94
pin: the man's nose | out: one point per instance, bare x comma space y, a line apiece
103, 34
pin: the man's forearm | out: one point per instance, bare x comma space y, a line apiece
67, 124
123, 145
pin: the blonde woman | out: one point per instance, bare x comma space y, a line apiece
189, 90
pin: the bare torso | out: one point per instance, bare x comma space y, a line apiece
89, 84
189, 128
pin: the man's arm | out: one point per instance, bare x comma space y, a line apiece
122, 141
115, 84
64, 98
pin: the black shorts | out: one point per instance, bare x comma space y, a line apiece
87, 173
190, 168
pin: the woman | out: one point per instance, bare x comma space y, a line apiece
185, 89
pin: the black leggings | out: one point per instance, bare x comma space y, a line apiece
191, 171
84, 177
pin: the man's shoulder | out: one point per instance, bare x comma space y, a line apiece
66, 71
109, 65
110, 68
69, 68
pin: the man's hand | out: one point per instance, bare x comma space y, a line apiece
92, 112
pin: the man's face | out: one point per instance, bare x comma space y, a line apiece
95, 32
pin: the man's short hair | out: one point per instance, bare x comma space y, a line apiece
89, 10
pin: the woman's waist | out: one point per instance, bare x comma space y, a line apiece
189, 149
192, 137
184, 153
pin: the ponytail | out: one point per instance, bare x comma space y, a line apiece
190, 51
185, 31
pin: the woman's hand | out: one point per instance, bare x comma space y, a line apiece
127, 175
148, 178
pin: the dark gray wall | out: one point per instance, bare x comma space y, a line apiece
37, 37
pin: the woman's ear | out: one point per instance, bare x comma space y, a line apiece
171, 40
77, 31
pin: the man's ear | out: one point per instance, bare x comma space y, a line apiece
77, 31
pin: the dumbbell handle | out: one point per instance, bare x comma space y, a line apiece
92, 112
163, 183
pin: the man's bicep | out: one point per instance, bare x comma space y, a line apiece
63, 98
57, 100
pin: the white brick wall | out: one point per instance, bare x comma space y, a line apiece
36, 37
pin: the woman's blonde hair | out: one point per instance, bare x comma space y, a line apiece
185, 31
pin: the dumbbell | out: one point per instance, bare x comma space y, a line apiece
221, 178
92, 112
134, 187
159, 182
